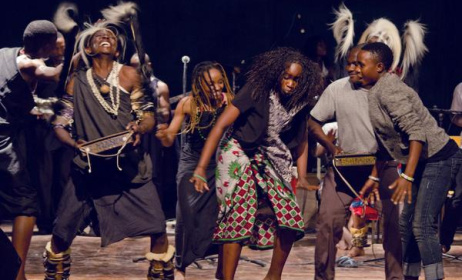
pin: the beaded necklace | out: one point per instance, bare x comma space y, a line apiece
212, 123
113, 81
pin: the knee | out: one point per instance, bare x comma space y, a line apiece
422, 229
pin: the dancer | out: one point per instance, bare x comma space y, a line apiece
254, 174
104, 98
407, 132
21, 70
346, 101
197, 113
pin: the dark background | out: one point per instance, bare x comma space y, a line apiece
233, 31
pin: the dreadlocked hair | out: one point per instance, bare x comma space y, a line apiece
202, 101
267, 71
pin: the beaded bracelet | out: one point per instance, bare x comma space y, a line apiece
375, 179
200, 177
407, 178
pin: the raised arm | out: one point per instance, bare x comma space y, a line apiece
166, 133
35, 69
226, 119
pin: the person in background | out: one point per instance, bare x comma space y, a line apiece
453, 207
195, 115
21, 69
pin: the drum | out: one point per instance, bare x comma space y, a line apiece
107, 143
344, 160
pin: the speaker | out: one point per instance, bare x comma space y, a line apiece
9, 259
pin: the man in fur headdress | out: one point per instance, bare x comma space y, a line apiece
408, 49
329, 226
20, 71
104, 98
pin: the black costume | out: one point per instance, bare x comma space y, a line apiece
17, 196
126, 202
197, 213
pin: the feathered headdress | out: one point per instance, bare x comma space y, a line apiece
114, 19
64, 17
85, 36
414, 46
343, 29
121, 13
127, 13
383, 30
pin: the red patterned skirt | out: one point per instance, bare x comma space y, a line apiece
254, 201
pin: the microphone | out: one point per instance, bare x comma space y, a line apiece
185, 59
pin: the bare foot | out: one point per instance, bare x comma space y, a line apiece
445, 249
356, 252
179, 275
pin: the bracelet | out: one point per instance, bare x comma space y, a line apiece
200, 177
375, 179
407, 178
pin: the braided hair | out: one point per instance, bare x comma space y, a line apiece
201, 100
267, 71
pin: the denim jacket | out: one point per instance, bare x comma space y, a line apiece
399, 116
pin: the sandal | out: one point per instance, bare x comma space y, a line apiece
347, 262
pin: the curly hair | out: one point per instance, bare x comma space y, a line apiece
381, 52
202, 101
267, 71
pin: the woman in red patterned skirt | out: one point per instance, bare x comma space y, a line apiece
267, 125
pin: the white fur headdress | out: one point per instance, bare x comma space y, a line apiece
120, 13
114, 19
383, 30
63, 17
343, 29
414, 46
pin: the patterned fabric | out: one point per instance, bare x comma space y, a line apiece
244, 185
275, 149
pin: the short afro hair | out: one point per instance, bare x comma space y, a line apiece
39, 33
381, 52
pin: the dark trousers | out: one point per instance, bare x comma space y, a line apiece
333, 214
452, 212
418, 222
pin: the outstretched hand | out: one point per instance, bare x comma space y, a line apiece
199, 180
370, 190
137, 131
402, 189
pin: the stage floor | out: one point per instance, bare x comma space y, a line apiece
115, 262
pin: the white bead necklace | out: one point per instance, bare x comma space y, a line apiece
113, 81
